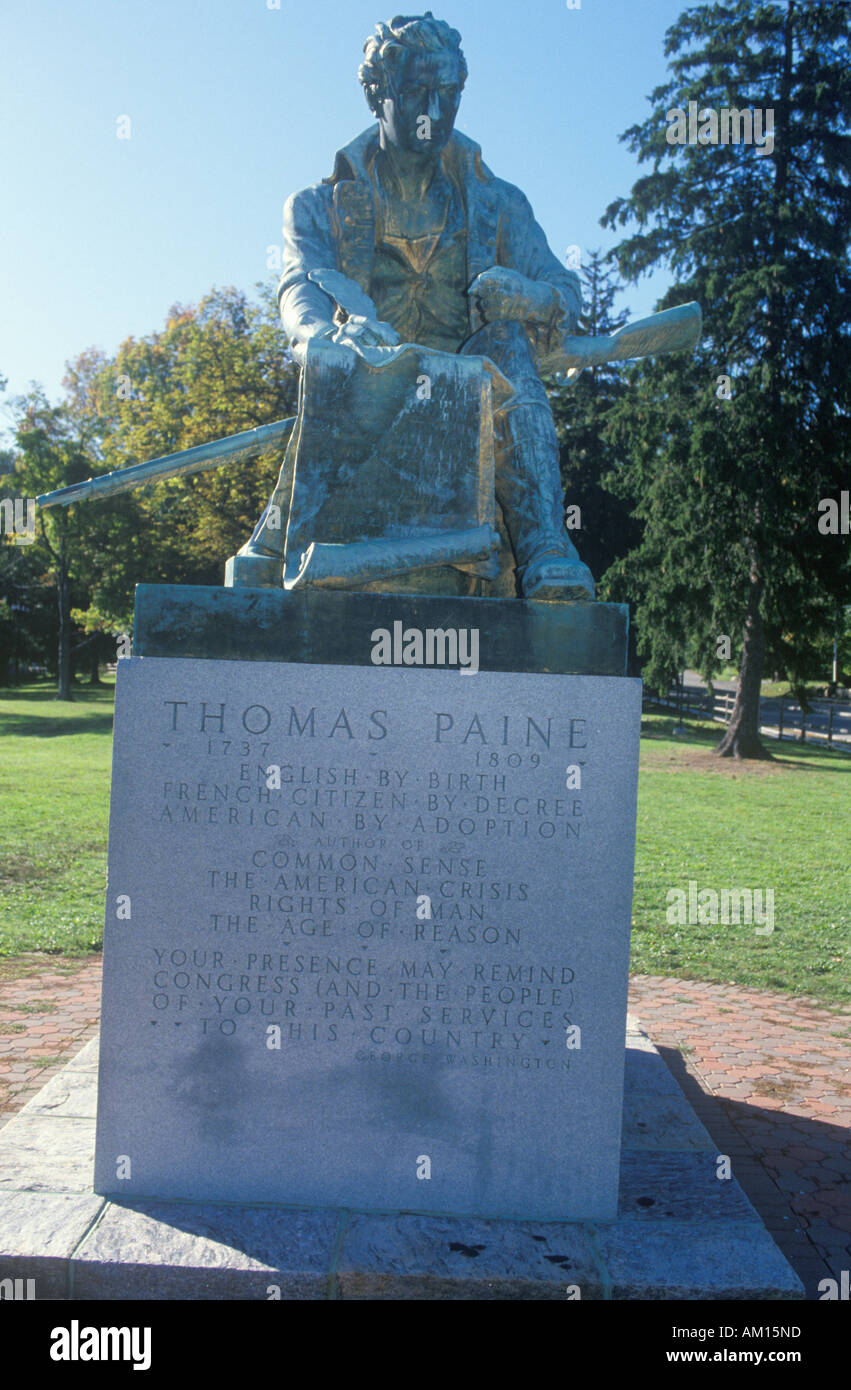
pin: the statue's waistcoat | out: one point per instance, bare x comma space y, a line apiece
353, 207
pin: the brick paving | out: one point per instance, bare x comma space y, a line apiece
47, 1013
769, 1075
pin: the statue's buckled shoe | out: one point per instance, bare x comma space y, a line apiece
254, 550
254, 568
559, 578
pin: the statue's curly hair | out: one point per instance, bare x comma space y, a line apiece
386, 46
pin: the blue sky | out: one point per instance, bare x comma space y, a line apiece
232, 106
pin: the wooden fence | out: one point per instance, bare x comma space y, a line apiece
826, 721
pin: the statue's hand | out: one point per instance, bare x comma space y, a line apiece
357, 333
367, 337
501, 293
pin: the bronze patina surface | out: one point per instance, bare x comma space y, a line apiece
423, 303
413, 240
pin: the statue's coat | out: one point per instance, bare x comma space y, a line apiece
332, 224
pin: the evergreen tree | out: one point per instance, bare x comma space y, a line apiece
730, 454
582, 409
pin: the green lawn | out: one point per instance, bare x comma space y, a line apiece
54, 811
782, 825
774, 689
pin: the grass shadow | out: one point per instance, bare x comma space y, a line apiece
805, 757
47, 728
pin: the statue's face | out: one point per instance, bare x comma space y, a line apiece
425, 85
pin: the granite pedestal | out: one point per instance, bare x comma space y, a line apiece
367, 930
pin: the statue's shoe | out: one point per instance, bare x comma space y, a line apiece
555, 577
256, 549
253, 568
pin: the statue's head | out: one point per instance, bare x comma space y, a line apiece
413, 74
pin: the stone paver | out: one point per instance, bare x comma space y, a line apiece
47, 1013
769, 1076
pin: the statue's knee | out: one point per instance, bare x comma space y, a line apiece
498, 338
507, 345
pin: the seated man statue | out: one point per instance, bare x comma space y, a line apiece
452, 259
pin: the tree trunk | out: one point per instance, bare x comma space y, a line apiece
94, 663
741, 739
63, 599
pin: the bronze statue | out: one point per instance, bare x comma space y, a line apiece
415, 218
423, 303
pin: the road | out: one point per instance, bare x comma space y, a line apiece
818, 718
